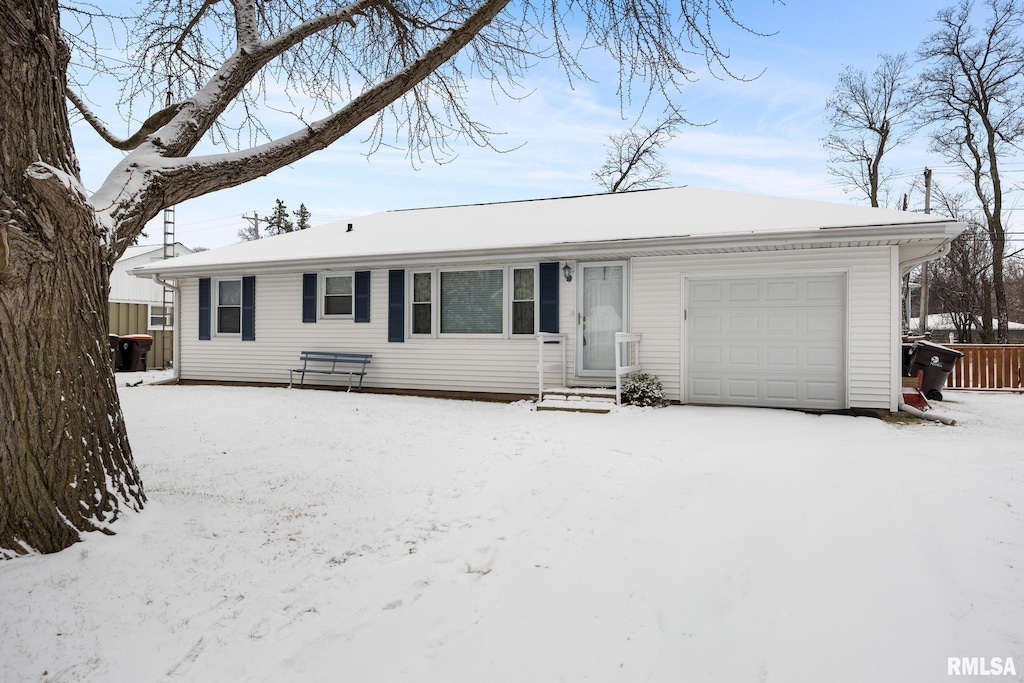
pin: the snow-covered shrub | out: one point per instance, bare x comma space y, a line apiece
643, 390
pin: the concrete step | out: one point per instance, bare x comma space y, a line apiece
588, 393
578, 400
576, 405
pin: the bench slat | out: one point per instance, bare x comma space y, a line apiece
333, 358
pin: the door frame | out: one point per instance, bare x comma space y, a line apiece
580, 291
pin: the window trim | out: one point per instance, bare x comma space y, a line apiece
322, 295
435, 302
149, 317
216, 306
503, 334
511, 300
507, 301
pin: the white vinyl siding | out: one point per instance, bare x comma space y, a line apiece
450, 363
656, 309
508, 365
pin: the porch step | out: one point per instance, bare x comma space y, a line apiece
578, 400
594, 393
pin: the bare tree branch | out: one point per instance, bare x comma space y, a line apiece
633, 158
868, 115
148, 127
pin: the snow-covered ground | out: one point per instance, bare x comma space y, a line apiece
325, 536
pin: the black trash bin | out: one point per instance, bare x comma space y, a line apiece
134, 348
115, 351
937, 362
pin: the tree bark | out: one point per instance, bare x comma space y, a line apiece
65, 463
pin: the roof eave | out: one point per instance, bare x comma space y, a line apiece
818, 237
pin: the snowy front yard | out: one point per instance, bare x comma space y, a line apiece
322, 536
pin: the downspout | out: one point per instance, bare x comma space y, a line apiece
176, 346
911, 410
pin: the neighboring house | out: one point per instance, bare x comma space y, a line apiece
941, 327
740, 299
137, 306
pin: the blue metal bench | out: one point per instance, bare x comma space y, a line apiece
331, 363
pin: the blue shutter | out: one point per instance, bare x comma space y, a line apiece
204, 308
549, 297
362, 296
309, 297
248, 308
396, 305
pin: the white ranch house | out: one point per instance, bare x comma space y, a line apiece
738, 299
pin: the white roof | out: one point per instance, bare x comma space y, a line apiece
944, 321
682, 214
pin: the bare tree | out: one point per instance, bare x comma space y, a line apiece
958, 281
633, 158
973, 95
868, 116
65, 462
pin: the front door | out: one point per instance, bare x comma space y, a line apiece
602, 307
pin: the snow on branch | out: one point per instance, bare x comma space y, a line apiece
184, 178
150, 126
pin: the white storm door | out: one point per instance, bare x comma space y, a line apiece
767, 341
602, 309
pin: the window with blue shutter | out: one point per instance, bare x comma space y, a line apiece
396, 305
249, 308
309, 297
204, 308
362, 292
549, 297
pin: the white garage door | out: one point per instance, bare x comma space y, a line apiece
767, 341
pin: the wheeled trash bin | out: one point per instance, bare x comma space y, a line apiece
936, 361
134, 348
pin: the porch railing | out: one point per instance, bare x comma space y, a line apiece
987, 366
627, 359
545, 339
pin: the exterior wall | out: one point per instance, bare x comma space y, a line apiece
134, 319
501, 365
473, 363
656, 309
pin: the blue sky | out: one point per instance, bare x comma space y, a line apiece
765, 137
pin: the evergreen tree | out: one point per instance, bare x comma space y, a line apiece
279, 222
301, 217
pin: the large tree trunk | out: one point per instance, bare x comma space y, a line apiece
65, 464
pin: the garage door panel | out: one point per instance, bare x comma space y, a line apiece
706, 292
706, 324
742, 388
784, 292
742, 292
782, 357
745, 323
744, 356
782, 389
770, 341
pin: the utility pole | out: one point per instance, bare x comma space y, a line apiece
255, 220
923, 326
